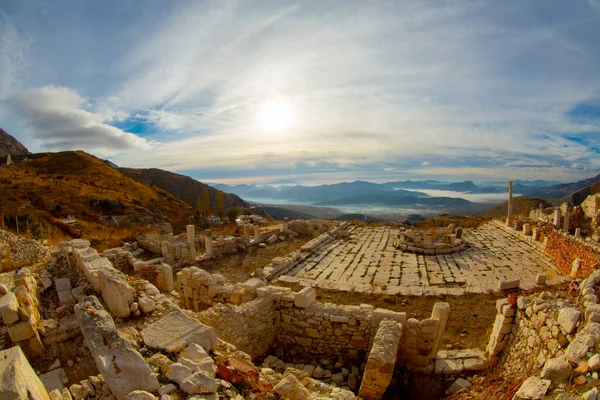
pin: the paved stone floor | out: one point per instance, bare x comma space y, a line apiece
371, 263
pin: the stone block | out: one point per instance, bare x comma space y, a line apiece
54, 379
508, 285
146, 304
9, 308
540, 279
19, 380
305, 297
291, 388
199, 383
175, 331
556, 369
65, 297
458, 384
500, 303
122, 366
62, 284
21, 331
567, 318
533, 388
116, 292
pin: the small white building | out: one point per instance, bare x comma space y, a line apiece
213, 220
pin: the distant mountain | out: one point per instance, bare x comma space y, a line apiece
280, 213
394, 199
566, 189
10, 145
360, 217
461, 187
521, 206
181, 186
314, 194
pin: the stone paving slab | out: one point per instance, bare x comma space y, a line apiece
370, 263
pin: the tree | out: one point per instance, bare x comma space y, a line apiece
220, 203
232, 213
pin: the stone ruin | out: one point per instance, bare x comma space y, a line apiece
446, 241
163, 327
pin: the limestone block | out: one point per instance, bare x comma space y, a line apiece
272, 239
508, 285
123, 367
556, 369
65, 297
305, 297
140, 395
53, 380
199, 383
540, 279
567, 318
178, 372
291, 388
19, 380
458, 384
21, 331
116, 292
594, 362
146, 304
9, 308
380, 313
533, 388
62, 284
176, 330
381, 361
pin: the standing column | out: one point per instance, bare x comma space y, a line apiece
246, 233
191, 232
256, 233
510, 193
540, 212
208, 242
440, 311
285, 223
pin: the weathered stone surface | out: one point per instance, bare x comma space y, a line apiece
21, 331
116, 292
533, 388
199, 383
382, 360
9, 308
178, 372
140, 395
568, 317
594, 362
556, 369
53, 380
175, 331
291, 388
17, 378
123, 367
592, 394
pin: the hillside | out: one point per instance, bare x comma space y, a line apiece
181, 186
521, 206
566, 189
54, 185
10, 145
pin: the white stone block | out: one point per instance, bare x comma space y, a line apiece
567, 318
540, 279
305, 297
533, 388
9, 308
508, 285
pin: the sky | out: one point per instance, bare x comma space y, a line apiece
309, 91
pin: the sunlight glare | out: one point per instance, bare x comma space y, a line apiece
275, 115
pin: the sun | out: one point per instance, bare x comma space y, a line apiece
275, 115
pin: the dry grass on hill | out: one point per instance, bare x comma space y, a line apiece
44, 190
521, 206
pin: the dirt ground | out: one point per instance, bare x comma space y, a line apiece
239, 267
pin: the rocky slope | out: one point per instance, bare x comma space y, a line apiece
10, 145
181, 186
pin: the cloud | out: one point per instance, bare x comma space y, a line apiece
373, 87
58, 117
529, 164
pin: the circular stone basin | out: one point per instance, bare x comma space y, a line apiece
421, 242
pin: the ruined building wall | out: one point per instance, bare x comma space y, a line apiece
250, 326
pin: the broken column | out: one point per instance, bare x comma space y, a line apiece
286, 223
536, 234
540, 212
246, 233
167, 271
509, 214
566, 222
440, 311
256, 233
556, 218
123, 367
575, 268
382, 360
208, 244
191, 233
577, 232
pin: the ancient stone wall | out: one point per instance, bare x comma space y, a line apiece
250, 326
565, 249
